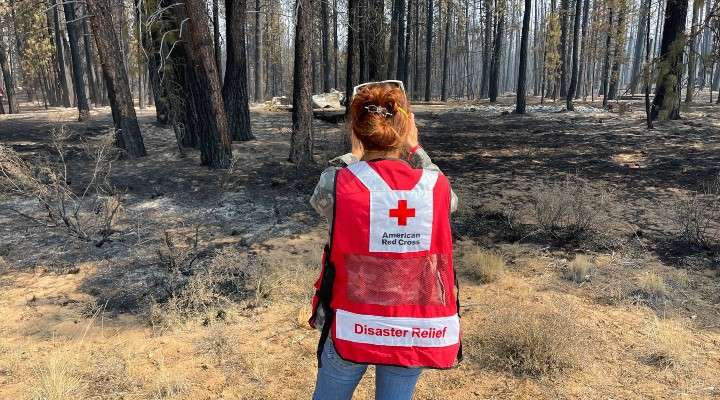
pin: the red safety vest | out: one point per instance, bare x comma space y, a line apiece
391, 298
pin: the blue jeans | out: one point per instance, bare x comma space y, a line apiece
337, 379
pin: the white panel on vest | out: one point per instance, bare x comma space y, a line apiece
400, 220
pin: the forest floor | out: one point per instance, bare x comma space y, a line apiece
142, 315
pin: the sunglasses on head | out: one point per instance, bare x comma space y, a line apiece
390, 81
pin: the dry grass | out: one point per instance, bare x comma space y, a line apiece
483, 266
671, 346
528, 340
57, 379
652, 286
579, 270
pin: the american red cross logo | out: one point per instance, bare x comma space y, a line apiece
402, 213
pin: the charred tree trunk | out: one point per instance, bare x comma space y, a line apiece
446, 54
89, 61
259, 54
325, 39
487, 54
216, 37
60, 57
564, 13
522, 72
404, 65
375, 39
401, 70
666, 104
350, 61
619, 49
638, 53
392, 50
213, 135
579, 89
127, 130
428, 50
301, 142
575, 58
8, 79
234, 91
416, 52
335, 45
692, 54
497, 55
606, 65
78, 75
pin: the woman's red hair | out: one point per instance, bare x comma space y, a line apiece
375, 130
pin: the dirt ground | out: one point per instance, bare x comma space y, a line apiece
81, 320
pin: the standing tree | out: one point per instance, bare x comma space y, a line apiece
428, 50
497, 53
401, 70
522, 73
325, 37
692, 58
78, 71
234, 91
638, 54
350, 50
259, 71
60, 56
8, 77
564, 13
374, 32
446, 53
301, 142
213, 134
90, 60
666, 104
487, 53
575, 58
127, 130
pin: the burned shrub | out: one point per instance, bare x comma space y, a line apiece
569, 210
697, 216
88, 211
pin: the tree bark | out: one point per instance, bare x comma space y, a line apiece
89, 60
234, 91
619, 50
127, 130
259, 56
638, 51
522, 72
446, 55
497, 55
78, 70
416, 55
325, 38
216, 38
667, 94
60, 57
575, 58
392, 50
350, 50
214, 137
583, 58
428, 50
9, 81
690, 89
404, 47
606, 66
375, 39
564, 13
487, 54
335, 45
301, 142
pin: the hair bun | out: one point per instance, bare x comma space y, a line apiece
380, 127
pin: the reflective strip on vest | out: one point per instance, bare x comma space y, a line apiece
397, 331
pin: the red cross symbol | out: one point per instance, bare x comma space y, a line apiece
402, 213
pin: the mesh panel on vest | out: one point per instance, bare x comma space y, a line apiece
396, 281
